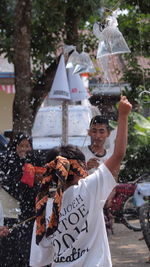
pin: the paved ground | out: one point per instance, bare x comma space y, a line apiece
126, 249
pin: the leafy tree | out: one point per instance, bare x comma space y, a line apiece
136, 161
135, 27
50, 24
38, 31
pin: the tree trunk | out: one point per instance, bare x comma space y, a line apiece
22, 111
72, 20
27, 98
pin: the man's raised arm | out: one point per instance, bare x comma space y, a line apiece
113, 163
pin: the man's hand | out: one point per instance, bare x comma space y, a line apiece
92, 163
38, 178
124, 107
4, 231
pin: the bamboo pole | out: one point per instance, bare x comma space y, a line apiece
65, 122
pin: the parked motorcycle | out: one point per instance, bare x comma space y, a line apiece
142, 197
121, 205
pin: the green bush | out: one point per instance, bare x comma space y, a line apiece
137, 159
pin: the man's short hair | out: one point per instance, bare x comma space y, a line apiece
100, 120
72, 152
68, 151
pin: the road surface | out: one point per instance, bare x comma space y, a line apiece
126, 249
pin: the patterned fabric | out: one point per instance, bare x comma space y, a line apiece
58, 171
29, 172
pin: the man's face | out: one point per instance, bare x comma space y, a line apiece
98, 133
23, 148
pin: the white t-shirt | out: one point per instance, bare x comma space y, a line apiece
42, 254
89, 155
1, 215
81, 238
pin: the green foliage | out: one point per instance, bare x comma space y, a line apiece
141, 127
137, 157
136, 161
135, 164
48, 25
144, 5
7, 27
135, 27
54, 20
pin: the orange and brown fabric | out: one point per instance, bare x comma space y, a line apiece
58, 171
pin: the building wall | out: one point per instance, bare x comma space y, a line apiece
6, 102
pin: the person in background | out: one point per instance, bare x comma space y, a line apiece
4, 231
96, 152
76, 230
19, 152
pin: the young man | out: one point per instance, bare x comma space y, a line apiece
75, 232
96, 153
